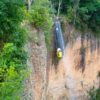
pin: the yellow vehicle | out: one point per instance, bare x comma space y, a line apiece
59, 53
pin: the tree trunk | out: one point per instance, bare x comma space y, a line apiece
29, 4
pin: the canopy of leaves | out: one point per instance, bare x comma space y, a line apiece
40, 14
12, 55
11, 14
84, 14
94, 94
88, 14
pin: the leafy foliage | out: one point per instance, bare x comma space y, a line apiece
12, 55
11, 15
12, 71
89, 15
40, 14
84, 14
94, 94
64, 5
41, 18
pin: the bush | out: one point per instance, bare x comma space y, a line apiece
40, 15
41, 18
12, 72
84, 14
13, 58
94, 94
87, 15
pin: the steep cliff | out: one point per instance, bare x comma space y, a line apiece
37, 63
74, 74
77, 72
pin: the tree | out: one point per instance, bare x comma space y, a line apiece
12, 55
84, 14
40, 14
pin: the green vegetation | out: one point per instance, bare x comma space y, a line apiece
88, 14
13, 58
94, 94
41, 18
84, 14
40, 14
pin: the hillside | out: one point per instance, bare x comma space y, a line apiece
49, 50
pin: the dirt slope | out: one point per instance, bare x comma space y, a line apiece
77, 71
37, 63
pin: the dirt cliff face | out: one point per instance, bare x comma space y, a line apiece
77, 71
37, 63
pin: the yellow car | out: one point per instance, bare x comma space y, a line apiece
59, 53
